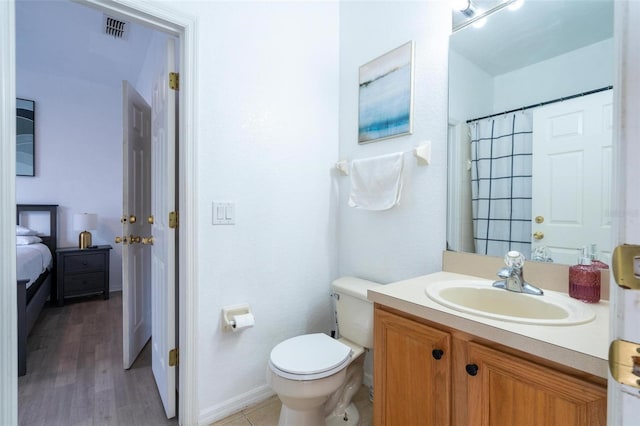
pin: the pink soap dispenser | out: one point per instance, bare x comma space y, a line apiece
584, 280
594, 258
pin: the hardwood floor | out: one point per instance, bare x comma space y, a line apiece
75, 375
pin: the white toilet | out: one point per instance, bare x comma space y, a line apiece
314, 375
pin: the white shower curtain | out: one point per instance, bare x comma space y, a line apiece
501, 153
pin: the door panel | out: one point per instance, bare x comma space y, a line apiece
572, 154
136, 272
163, 250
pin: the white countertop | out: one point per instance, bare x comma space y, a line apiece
583, 346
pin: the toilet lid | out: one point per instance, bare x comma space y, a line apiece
309, 354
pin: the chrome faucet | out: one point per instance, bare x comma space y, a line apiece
512, 275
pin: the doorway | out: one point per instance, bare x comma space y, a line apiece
183, 28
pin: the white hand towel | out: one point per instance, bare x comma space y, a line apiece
376, 183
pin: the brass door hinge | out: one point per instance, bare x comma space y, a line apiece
173, 357
174, 81
173, 220
624, 362
626, 266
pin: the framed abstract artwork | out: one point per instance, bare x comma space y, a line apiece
386, 96
25, 137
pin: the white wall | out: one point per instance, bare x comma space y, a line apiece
471, 90
268, 132
588, 68
407, 240
473, 93
153, 61
78, 156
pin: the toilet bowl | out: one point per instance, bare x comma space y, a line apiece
314, 375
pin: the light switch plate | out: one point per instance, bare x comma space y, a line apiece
223, 213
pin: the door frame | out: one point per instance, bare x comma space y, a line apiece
8, 293
161, 18
623, 316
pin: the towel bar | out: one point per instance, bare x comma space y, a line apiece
422, 152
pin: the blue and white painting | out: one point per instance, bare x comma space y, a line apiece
385, 95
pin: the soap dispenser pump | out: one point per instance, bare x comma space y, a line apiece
584, 279
594, 258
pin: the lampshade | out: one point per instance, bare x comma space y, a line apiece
85, 221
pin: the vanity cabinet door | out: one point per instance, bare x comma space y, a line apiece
412, 372
507, 390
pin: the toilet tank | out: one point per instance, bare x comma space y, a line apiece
354, 312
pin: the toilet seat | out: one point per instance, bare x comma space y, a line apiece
309, 357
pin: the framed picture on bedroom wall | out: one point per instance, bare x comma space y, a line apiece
386, 96
25, 137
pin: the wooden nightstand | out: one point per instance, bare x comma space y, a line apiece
82, 272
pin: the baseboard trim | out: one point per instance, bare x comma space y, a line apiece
235, 405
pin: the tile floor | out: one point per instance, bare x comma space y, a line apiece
267, 412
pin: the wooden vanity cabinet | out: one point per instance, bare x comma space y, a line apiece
507, 390
412, 372
471, 383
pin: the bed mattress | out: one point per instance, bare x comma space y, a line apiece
32, 260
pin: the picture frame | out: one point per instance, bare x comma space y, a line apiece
385, 101
25, 137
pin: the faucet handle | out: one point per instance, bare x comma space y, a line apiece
514, 259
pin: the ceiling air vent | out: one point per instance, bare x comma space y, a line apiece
115, 27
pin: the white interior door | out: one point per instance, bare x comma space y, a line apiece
136, 272
572, 157
163, 251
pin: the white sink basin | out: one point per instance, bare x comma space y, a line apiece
480, 298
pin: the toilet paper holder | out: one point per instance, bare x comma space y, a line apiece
229, 315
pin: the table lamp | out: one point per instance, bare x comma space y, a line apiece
83, 222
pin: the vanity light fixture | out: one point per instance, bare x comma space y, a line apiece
464, 6
477, 17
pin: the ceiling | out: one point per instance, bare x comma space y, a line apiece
539, 30
68, 40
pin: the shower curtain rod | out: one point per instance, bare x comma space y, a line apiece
566, 98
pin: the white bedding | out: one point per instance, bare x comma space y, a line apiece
33, 260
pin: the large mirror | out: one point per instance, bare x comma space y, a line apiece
530, 131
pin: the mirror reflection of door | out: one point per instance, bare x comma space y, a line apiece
572, 163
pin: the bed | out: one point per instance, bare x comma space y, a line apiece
35, 269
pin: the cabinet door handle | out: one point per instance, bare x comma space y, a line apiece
472, 369
437, 353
